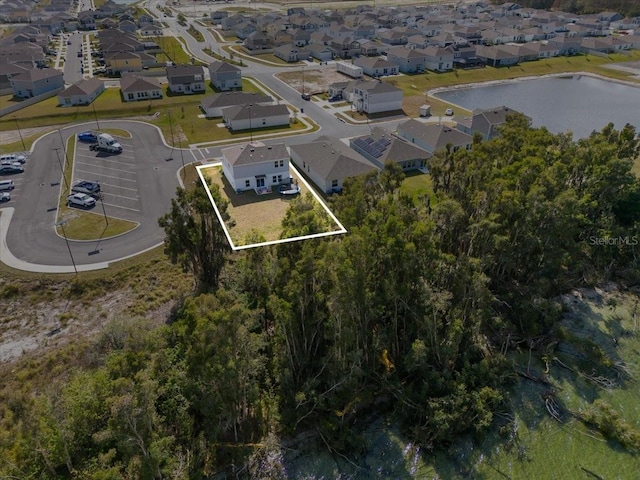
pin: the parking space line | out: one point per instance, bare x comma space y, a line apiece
119, 206
92, 172
104, 194
118, 187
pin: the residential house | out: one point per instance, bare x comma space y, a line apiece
144, 19
381, 146
151, 30
186, 79
496, 56
225, 76
246, 117
255, 166
434, 137
258, 41
320, 52
567, 45
604, 44
438, 59
392, 37
36, 81
290, 53
123, 62
375, 97
212, 105
321, 38
217, 16
28, 54
368, 48
544, 49
10, 69
484, 121
408, 60
244, 29
376, 66
127, 26
86, 20
345, 47
328, 162
82, 92
136, 88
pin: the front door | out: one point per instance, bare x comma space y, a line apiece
259, 182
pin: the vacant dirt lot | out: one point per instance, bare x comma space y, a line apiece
316, 79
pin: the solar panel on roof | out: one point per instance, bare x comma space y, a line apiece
369, 140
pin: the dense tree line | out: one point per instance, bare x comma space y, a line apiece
408, 316
628, 8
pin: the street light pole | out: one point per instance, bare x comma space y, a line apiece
171, 128
250, 129
20, 133
95, 115
64, 234
106, 219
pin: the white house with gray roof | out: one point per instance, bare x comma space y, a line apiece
484, 121
82, 92
225, 76
212, 105
328, 162
136, 88
255, 166
376, 97
376, 67
244, 117
185, 79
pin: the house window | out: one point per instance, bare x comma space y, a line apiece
334, 183
260, 182
247, 183
282, 163
275, 164
279, 178
130, 96
274, 179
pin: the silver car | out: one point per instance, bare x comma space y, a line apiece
82, 200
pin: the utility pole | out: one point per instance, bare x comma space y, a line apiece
95, 115
250, 129
20, 133
64, 234
64, 177
172, 139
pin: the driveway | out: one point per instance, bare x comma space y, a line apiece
139, 185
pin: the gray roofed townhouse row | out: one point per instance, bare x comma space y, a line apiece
212, 105
36, 82
328, 162
434, 137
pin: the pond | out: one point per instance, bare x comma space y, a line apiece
578, 103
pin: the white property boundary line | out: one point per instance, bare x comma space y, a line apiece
235, 247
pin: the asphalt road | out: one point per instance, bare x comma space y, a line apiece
35, 212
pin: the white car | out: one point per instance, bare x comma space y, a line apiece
448, 112
82, 200
5, 196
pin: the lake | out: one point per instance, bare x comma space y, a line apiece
578, 103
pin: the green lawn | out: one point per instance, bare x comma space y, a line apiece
417, 184
172, 50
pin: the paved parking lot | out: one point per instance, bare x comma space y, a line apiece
116, 174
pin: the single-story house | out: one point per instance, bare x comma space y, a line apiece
434, 137
135, 88
255, 166
212, 105
82, 92
290, 53
185, 78
320, 52
327, 161
245, 117
36, 82
496, 56
381, 146
225, 76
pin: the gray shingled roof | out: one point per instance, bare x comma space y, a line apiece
253, 153
82, 87
228, 99
332, 159
437, 136
242, 112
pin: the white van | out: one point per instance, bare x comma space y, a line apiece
12, 157
6, 185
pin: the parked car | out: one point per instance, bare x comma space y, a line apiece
83, 200
5, 196
84, 186
12, 167
448, 112
306, 96
12, 157
88, 137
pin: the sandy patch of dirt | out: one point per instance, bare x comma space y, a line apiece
316, 79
